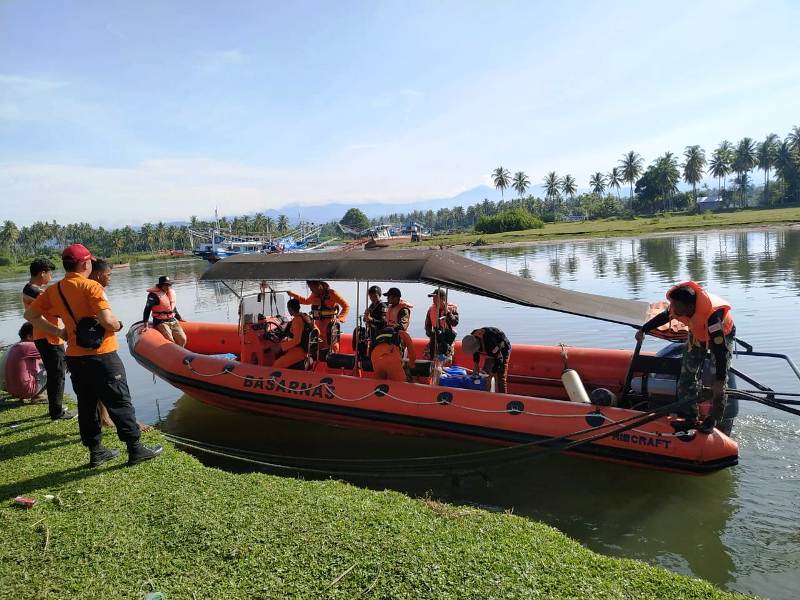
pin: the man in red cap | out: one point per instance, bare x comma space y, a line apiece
95, 368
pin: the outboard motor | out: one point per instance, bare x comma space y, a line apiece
659, 388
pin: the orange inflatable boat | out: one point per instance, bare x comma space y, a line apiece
230, 365
537, 406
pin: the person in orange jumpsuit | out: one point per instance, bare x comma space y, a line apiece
387, 353
328, 309
295, 344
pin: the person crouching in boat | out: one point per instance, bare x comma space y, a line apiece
166, 319
440, 322
328, 309
296, 338
387, 353
398, 311
492, 343
711, 327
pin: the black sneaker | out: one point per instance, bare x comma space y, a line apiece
140, 453
100, 455
66, 415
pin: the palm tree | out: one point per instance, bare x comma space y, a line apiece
552, 188
765, 158
614, 179
283, 223
720, 165
520, 183
9, 234
631, 165
502, 179
794, 139
269, 224
744, 160
569, 186
694, 167
669, 176
598, 183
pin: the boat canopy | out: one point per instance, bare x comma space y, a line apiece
441, 268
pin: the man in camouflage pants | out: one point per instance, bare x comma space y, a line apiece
710, 328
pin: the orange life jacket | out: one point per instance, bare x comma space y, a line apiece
706, 304
393, 312
434, 314
165, 309
325, 307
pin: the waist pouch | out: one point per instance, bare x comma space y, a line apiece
89, 333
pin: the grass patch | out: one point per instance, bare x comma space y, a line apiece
614, 227
190, 531
22, 265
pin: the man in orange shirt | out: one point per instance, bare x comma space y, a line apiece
97, 372
298, 334
328, 308
51, 348
387, 353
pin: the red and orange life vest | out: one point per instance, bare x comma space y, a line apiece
706, 304
165, 309
393, 312
435, 313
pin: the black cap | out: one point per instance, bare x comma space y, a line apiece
164, 280
437, 292
374, 289
393, 292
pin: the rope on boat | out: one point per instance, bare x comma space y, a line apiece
435, 466
332, 391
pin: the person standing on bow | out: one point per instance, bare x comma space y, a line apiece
296, 339
398, 313
711, 327
492, 343
328, 309
387, 353
166, 319
440, 322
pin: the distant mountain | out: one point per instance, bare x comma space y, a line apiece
335, 211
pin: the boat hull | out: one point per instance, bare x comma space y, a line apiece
337, 397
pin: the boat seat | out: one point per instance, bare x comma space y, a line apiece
336, 360
422, 368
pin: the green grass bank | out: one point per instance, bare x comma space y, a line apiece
627, 227
190, 531
21, 265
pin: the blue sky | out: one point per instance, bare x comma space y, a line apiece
117, 112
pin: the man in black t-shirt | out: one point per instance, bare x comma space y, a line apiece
50, 348
492, 343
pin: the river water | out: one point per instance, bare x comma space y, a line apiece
737, 528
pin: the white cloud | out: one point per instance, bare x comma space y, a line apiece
20, 96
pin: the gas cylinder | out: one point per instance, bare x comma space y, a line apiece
574, 386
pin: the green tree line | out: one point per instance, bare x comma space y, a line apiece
649, 189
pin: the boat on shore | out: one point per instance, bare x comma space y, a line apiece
230, 366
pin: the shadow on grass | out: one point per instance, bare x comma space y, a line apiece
33, 444
52, 481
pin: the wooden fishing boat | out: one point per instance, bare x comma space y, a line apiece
229, 365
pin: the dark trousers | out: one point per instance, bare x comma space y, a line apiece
102, 377
54, 366
499, 368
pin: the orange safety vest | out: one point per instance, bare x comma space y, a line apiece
434, 313
325, 307
706, 304
393, 312
165, 309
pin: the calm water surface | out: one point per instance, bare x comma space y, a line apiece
738, 528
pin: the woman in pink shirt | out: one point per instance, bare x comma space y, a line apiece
24, 373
